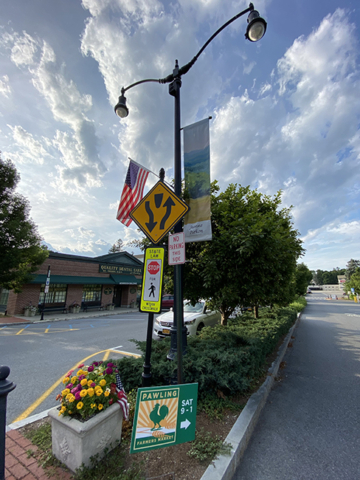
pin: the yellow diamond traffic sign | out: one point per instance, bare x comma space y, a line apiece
158, 212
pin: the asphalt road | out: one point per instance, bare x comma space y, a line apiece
310, 426
40, 354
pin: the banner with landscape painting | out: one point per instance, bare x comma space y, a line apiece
197, 226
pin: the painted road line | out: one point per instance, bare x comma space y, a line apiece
19, 332
106, 356
47, 329
125, 353
44, 396
114, 348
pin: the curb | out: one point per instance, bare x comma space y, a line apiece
224, 467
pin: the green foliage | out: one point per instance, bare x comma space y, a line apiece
20, 248
351, 268
208, 446
41, 437
325, 277
252, 257
223, 359
354, 282
303, 277
299, 304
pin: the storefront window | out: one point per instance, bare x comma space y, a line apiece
56, 293
91, 293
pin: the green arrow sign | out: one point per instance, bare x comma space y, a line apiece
164, 416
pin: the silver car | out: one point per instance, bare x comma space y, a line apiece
195, 319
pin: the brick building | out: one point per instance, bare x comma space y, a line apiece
112, 278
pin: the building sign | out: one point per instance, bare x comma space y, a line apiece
152, 280
120, 269
164, 416
158, 212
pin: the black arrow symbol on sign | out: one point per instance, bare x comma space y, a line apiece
151, 224
168, 204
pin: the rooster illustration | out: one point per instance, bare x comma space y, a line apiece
157, 415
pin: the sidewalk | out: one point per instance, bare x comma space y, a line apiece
48, 317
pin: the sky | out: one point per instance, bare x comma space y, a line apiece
285, 110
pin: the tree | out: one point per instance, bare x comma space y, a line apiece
117, 247
351, 267
20, 248
303, 277
251, 259
354, 282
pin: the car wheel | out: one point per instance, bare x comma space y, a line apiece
199, 328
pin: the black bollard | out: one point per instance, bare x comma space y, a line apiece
5, 388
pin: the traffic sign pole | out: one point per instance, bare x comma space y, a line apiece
146, 376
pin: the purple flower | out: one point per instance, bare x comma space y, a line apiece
110, 364
93, 385
109, 370
77, 396
81, 377
91, 368
95, 363
100, 363
69, 385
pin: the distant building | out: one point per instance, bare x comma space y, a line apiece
111, 278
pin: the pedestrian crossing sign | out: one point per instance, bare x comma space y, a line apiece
152, 280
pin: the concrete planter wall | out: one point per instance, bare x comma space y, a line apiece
74, 442
29, 313
110, 307
74, 309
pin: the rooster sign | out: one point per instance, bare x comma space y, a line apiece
158, 414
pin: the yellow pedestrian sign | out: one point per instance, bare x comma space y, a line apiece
158, 212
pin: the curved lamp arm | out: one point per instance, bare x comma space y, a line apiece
121, 109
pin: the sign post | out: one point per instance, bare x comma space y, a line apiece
150, 301
164, 416
46, 290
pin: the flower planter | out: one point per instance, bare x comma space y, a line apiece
29, 313
109, 307
74, 309
74, 442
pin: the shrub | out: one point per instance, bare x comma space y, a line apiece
223, 358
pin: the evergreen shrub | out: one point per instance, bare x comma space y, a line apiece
222, 358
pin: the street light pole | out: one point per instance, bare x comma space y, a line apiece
255, 31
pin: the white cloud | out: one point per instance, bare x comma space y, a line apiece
31, 149
4, 86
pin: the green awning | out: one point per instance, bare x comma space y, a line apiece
126, 279
72, 280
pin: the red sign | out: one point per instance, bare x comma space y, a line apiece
153, 268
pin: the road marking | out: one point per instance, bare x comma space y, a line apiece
18, 333
114, 348
106, 356
352, 314
44, 396
47, 329
126, 353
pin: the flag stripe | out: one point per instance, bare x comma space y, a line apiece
131, 195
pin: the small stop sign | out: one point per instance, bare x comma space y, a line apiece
153, 268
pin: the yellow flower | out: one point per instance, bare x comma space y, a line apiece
101, 406
71, 399
66, 380
79, 405
103, 382
83, 393
90, 392
93, 405
68, 396
80, 372
107, 393
65, 392
89, 382
73, 379
83, 382
99, 392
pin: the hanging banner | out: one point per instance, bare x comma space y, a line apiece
197, 222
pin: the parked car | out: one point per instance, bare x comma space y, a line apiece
195, 319
167, 301
309, 291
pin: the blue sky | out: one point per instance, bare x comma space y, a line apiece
285, 111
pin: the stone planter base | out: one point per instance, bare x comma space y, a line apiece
110, 307
74, 442
74, 309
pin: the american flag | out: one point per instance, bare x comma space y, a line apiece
132, 192
122, 398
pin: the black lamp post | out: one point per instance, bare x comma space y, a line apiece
255, 31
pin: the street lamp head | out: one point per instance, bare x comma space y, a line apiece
121, 109
256, 27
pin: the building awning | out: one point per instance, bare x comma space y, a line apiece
72, 280
126, 279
